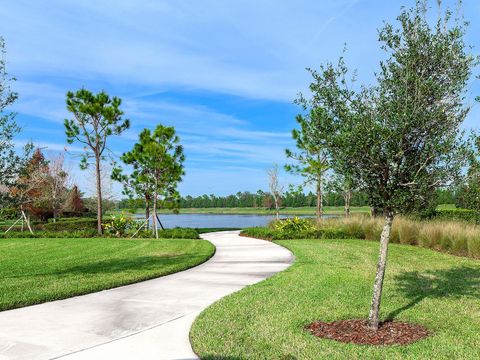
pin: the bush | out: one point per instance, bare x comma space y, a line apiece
294, 224
457, 215
8, 214
72, 225
118, 225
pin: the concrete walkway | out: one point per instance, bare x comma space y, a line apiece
148, 320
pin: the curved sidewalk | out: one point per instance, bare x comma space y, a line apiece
147, 320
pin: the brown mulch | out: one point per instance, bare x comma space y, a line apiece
356, 331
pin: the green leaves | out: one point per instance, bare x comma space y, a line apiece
401, 138
157, 166
95, 118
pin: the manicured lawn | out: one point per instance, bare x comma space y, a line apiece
39, 270
332, 280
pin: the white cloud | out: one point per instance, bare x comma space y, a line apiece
249, 48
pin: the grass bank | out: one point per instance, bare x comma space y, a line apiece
39, 270
332, 280
454, 237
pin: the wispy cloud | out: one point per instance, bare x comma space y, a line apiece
246, 59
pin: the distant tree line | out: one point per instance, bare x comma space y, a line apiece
262, 199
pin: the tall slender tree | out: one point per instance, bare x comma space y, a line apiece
96, 117
312, 157
402, 137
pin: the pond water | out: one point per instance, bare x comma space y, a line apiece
215, 220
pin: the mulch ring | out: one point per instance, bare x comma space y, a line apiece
356, 331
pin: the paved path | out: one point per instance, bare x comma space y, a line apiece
148, 320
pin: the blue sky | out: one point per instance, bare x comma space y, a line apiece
224, 73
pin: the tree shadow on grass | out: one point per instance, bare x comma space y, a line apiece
455, 282
115, 265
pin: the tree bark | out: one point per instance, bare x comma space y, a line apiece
348, 196
319, 198
147, 210
374, 316
155, 225
99, 196
277, 207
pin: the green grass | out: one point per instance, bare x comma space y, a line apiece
332, 280
446, 207
208, 230
39, 270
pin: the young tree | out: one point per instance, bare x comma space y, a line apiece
28, 192
74, 202
157, 161
56, 181
95, 119
343, 184
275, 188
402, 138
138, 182
312, 158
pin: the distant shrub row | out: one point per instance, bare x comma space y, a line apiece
78, 227
458, 215
453, 237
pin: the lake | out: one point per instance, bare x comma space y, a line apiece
215, 220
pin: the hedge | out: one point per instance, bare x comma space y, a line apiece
458, 214
71, 225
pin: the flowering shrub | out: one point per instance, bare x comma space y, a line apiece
118, 225
294, 224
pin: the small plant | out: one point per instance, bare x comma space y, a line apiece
118, 225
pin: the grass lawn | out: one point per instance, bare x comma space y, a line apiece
332, 280
39, 270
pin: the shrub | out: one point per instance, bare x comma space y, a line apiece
72, 225
8, 214
457, 215
118, 225
294, 224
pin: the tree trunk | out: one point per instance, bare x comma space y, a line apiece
348, 196
99, 196
374, 316
155, 225
147, 210
319, 198
275, 197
